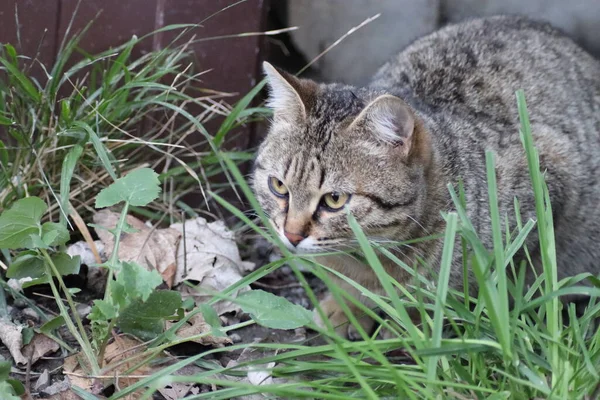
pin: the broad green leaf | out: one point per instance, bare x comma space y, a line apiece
7, 391
138, 188
18, 223
212, 318
65, 264
4, 370
146, 320
138, 281
53, 324
210, 315
27, 265
273, 311
31, 265
54, 234
37, 242
26, 335
102, 310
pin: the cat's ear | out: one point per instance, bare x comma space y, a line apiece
289, 97
390, 121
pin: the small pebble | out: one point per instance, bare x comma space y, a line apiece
57, 387
30, 313
83, 310
235, 338
43, 381
20, 303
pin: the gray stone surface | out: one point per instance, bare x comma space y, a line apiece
322, 22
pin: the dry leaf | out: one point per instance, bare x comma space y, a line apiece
178, 390
39, 346
10, 335
175, 390
196, 326
121, 348
257, 374
154, 249
209, 256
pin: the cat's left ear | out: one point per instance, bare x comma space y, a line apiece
289, 97
390, 121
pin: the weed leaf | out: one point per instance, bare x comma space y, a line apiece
146, 320
273, 311
54, 234
137, 281
102, 311
31, 265
18, 223
138, 188
53, 324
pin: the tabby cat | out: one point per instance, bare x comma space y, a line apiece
386, 152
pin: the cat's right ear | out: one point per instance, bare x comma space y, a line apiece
289, 97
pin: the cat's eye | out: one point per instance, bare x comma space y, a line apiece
334, 201
277, 187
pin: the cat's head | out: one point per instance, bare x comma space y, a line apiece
333, 149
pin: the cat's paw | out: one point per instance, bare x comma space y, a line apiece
338, 319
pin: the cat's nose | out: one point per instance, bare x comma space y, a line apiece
294, 238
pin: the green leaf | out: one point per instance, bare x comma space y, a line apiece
138, 281
4, 370
212, 318
7, 391
31, 265
66, 174
138, 188
54, 234
3, 152
5, 121
65, 264
23, 81
273, 311
146, 320
231, 118
210, 315
9, 387
53, 324
27, 265
102, 310
27, 335
99, 147
18, 223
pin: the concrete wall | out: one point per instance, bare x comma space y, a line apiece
322, 22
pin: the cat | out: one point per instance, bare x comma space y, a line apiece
386, 152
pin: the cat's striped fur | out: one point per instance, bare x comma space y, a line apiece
447, 98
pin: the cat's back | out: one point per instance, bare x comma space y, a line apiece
462, 81
479, 64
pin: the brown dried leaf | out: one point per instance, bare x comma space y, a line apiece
211, 257
10, 335
196, 326
39, 346
151, 248
120, 349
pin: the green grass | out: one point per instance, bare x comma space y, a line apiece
472, 347
74, 134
